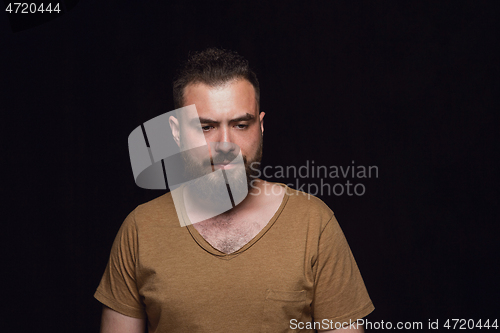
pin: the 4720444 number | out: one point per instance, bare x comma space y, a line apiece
464, 324
31, 8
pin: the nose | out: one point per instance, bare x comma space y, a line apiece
223, 145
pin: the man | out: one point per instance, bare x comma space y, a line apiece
275, 261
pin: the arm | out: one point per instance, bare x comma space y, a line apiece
340, 281
115, 322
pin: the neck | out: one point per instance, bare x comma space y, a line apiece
203, 208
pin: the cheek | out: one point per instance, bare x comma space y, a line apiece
250, 146
191, 138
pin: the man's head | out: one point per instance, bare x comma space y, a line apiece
213, 67
218, 83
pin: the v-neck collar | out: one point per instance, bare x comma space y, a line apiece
202, 242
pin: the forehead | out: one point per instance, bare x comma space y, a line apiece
228, 100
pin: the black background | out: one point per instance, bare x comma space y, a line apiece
411, 87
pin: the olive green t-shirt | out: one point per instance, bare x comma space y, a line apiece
298, 269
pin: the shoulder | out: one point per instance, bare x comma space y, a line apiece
159, 211
307, 207
307, 201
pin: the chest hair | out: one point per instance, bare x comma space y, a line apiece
226, 234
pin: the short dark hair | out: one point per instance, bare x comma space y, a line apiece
213, 67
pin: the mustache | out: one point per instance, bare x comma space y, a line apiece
221, 158
224, 158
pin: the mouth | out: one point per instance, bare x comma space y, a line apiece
225, 165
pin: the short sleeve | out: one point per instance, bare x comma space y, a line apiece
340, 294
118, 288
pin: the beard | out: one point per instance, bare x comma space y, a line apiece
213, 187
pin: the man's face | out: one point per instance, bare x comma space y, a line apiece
230, 121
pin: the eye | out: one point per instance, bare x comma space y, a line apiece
206, 128
241, 126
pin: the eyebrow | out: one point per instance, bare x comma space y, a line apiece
246, 117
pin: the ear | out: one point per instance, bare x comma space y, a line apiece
174, 126
261, 117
